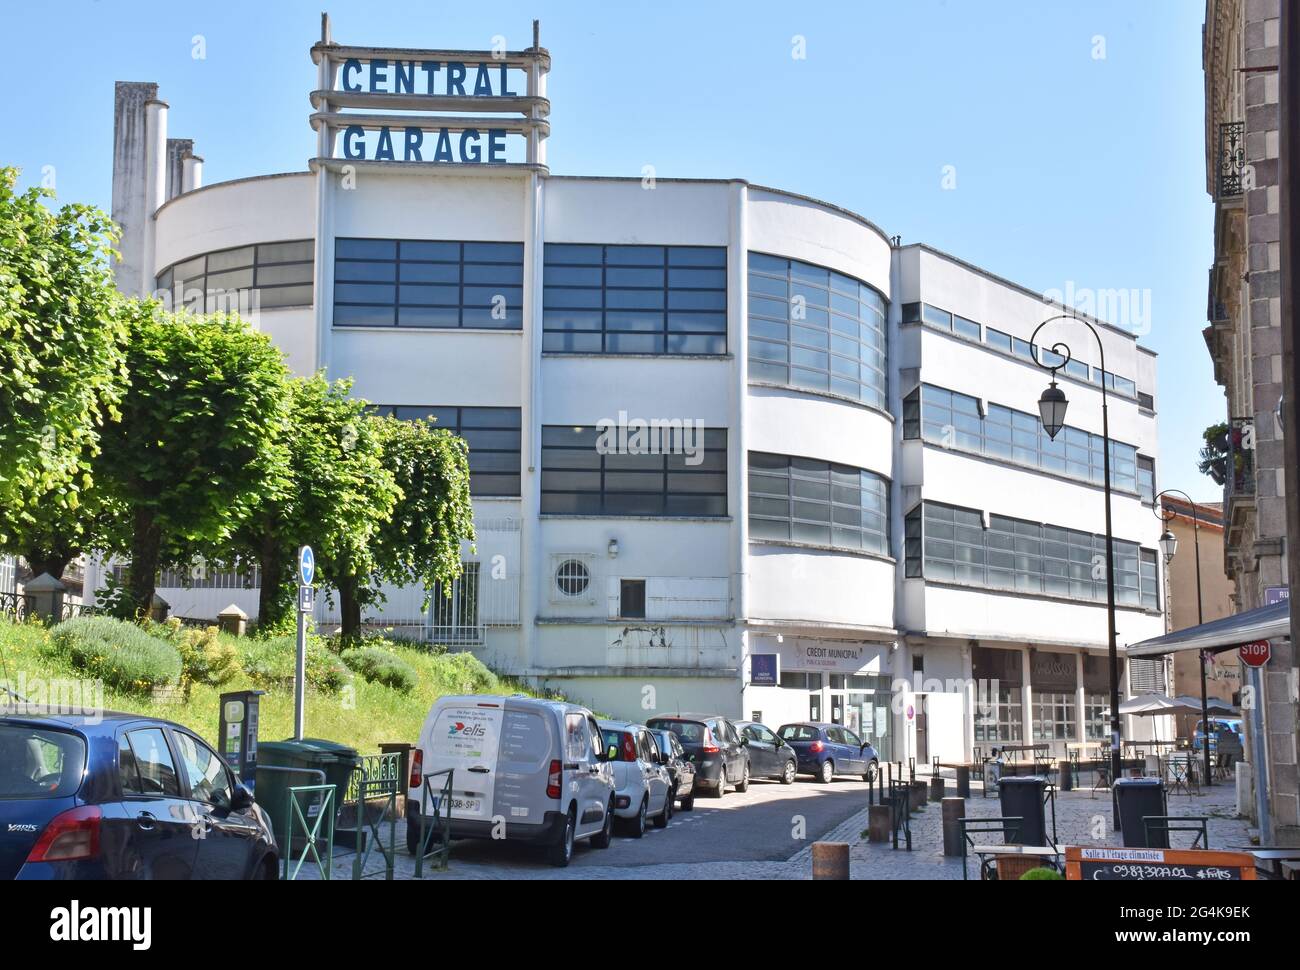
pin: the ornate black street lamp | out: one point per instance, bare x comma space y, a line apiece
1051, 409
1169, 545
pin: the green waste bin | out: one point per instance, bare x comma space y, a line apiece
308, 756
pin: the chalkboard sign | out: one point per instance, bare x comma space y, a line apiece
1157, 865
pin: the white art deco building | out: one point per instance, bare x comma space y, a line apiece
841, 464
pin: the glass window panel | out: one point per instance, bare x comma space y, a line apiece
365, 249
230, 259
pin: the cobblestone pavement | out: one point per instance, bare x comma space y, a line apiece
1081, 818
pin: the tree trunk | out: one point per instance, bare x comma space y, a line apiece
50, 561
271, 598
145, 544
349, 609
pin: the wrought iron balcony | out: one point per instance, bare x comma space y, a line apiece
1239, 480
1231, 159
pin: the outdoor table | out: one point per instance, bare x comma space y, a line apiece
1272, 859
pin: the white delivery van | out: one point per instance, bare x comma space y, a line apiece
522, 769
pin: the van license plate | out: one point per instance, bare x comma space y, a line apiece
471, 806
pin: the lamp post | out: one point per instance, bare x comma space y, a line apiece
1051, 409
1169, 545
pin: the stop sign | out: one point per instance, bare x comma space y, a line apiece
1256, 654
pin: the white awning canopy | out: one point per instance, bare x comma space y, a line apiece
1264, 623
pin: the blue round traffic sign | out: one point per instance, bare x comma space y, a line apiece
306, 565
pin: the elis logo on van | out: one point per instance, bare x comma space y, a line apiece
462, 730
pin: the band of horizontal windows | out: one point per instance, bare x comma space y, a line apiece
952, 420
805, 500
813, 328
634, 299
664, 472
493, 435
434, 284
243, 279
1016, 347
944, 543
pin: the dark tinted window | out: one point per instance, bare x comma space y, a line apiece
154, 763
634, 299
632, 598
690, 732
36, 763
800, 732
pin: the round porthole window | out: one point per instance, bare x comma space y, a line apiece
572, 577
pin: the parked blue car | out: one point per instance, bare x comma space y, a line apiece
826, 750
119, 796
1217, 724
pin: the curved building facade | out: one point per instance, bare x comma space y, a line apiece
731, 448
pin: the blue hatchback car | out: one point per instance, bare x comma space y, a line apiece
826, 750
119, 796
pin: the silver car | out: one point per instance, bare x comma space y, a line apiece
641, 777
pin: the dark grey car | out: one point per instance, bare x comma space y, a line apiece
769, 756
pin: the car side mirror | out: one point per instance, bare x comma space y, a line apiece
241, 799
744, 742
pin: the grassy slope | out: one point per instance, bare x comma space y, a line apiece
377, 714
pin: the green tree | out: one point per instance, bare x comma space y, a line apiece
61, 364
419, 540
200, 443
338, 491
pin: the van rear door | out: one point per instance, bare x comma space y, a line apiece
465, 737
530, 741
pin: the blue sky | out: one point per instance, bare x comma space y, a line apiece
1069, 167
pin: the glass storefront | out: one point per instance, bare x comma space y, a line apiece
861, 702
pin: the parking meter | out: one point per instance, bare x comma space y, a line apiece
238, 732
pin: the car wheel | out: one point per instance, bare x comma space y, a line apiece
604, 837
638, 823
826, 773
666, 816
873, 769
744, 781
561, 853
787, 776
722, 785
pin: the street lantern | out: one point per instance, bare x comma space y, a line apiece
1051, 408
1168, 545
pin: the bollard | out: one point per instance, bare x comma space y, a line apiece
936, 789
963, 782
878, 823
954, 810
917, 790
830, 860
1065, 772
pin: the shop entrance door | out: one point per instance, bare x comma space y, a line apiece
922, 732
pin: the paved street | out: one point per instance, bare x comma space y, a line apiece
750, 837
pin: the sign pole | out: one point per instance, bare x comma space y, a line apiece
306, 602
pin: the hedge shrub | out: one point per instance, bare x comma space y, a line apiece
270, 663
381, 667
117, 652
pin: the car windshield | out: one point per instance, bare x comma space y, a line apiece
35, 763
690, 732
799, 732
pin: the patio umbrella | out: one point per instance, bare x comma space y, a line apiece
1156, 705
1214, 707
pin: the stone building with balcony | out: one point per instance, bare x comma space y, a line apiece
1243, 143
1244, 335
